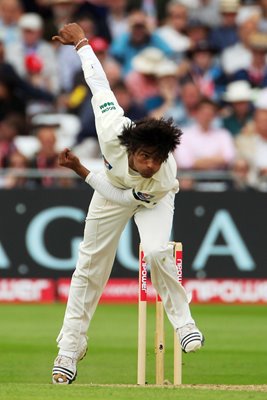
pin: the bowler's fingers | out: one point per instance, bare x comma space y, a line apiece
63, 156
60, 39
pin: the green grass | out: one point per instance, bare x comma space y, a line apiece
234, 354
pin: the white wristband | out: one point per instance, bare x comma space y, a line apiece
81, 41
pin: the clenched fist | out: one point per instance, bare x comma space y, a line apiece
67, 159
70, 34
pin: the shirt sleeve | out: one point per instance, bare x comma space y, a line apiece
94, 74
106, 189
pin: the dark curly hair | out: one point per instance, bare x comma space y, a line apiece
160, 134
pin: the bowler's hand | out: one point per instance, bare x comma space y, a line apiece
70, 34
67, 159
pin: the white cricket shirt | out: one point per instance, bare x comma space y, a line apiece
110, 119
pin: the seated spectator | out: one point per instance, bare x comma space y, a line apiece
117, 18
15, 92
204, 70
238, 56
206, 11
10, 13
197, 31
225, 34
172, 32
9, 129
31, 42
251, 147
256, 72
139, 37
168, 102
190, 99
239, 97
47, 156
205, 147
19, 163
142, 81
62, 12
179, 102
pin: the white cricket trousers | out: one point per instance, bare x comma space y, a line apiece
104, 224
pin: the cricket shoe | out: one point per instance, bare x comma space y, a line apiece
65, 368
191, 338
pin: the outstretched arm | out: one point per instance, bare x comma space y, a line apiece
122, 197
73, 34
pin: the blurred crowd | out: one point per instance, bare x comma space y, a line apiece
200, 62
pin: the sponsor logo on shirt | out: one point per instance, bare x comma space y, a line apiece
142, 196
108, 106
106, 163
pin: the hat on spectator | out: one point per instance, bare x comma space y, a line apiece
258, 41
238, 91
147, 59
247, 13
31, 21
166, 68
99, 44
229, 6
261, 100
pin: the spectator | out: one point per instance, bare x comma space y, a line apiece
167, 104
252, 146
204, 70
256, 72
238, 56
172, 32
31, 42
139, 37
196, 31
47, 156
190, 99
117, 18
225, 34
9, 129
203, 146
206, 11
16, 93
62, 13
10, 13
239, 96
179, 102
141, 81
19, 163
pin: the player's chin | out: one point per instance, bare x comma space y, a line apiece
147, 175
